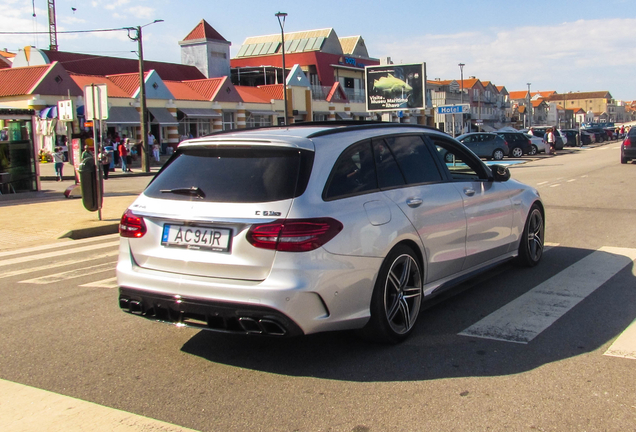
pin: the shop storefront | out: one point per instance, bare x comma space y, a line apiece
18, 169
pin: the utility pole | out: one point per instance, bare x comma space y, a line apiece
52, 26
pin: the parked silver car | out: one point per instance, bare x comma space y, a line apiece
485, 144
314, 227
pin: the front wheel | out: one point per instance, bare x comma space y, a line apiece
396, 298
498, 154
531, 245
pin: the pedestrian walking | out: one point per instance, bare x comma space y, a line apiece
551, 141
58, 158
156, 148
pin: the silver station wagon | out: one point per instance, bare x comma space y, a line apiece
316, 227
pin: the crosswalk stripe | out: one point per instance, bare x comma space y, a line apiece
64, 263
57, 245
625, 345
524, 318
24, 408
104, 283
42, 256
71, 274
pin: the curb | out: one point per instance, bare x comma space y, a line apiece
83, 233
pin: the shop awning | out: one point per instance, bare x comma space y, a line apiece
199, 112
125, 115
163, 117
263, 113
49, 112
361, 114
343, 115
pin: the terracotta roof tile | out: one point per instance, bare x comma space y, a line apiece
203, 30
129, 83
182, 91
275, 91
253, 94
519, 94
112, 88
20, 81
206, 87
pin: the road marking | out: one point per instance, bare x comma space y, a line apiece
24, 408
542, 183
71, 274
57, 245
65, 263
625, 345
104, 283
571, 180
555, 185
42, 256
527, 316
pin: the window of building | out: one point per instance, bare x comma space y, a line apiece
228, 121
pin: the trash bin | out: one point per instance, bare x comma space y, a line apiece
88, 184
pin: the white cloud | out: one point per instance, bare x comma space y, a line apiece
581, 55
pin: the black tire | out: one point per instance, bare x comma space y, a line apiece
516, 152
449, 158
533, 150
624, 160
498, 154
396, 299
531, 243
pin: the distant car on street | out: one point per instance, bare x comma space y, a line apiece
628, 147
485, 144
538, 145
518, 143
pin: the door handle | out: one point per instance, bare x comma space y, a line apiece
414, 202
469, 191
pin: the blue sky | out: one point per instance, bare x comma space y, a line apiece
561, 45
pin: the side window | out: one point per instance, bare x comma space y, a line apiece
389, 174
353, 172
462, 166
414, 159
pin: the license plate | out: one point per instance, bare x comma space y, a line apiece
194, 237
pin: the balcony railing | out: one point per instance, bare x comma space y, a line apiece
320, 93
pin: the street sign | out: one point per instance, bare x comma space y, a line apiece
65, 110
96, 96
453, 109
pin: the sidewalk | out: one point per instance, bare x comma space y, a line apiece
46, 216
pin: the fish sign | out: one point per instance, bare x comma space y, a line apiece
391, 84
395, 87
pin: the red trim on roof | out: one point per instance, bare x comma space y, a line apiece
21, 80
275, 91
203, 30
253, 94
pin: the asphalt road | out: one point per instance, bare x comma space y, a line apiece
62, 331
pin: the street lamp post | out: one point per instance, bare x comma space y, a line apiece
281, 22
461, 73
143, 113
529, 113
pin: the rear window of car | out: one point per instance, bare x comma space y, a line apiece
246, 174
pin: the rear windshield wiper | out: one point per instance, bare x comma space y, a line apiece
196, 191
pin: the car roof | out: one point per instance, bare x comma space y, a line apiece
301, 134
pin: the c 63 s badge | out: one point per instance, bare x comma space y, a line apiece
267, 213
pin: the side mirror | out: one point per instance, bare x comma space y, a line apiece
500, 173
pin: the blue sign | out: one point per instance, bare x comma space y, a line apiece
453, 109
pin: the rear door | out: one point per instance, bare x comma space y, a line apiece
199, 207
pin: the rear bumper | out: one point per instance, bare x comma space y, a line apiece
206, 314
628, 152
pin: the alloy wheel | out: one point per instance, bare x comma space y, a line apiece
402, 294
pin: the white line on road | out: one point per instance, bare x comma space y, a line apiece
527, 316
571, 180
104, 283
57, 245
24, 408
71, 274
65, 263
39, 257
625, 345
555, 185
542, 183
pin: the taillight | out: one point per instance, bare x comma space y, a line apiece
132, 225
293, 235
627, 142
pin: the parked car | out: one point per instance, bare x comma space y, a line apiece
537, 143
573, 137
315, 227
628, 147
518, 143
598, 133
561, 138
485, 144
